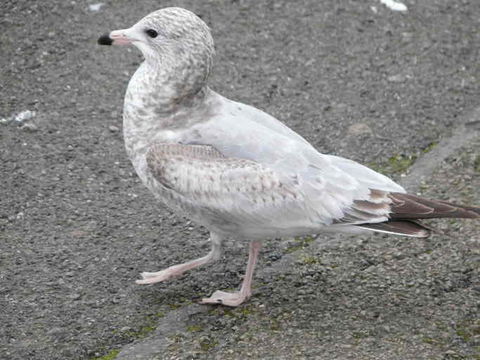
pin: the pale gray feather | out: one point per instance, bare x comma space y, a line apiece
297, 189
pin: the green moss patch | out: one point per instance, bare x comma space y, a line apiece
396, 164
110, 356
300, 243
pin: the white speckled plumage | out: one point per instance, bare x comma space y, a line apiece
231, 167
168, 102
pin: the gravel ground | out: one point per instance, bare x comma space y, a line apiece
77, 226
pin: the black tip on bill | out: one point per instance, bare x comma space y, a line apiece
105, 40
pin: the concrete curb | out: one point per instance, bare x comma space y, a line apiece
424, 167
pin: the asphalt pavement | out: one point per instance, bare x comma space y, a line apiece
388, 89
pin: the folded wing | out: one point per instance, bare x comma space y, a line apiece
237, 191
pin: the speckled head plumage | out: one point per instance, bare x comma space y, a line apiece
178, 50
177, 30
169, 34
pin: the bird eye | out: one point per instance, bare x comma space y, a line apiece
152, 33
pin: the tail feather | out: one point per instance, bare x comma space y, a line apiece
411, 207
406, 208
399, 227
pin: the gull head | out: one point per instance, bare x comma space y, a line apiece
173, 35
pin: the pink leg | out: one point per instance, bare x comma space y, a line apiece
177, 270
238, 297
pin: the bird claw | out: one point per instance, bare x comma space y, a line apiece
154, 277
146, 275
225, 298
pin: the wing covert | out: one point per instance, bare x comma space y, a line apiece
232, 188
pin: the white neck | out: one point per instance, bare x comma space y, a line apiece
164, 97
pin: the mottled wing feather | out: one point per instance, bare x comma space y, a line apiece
201, 169
233, 188
376, 208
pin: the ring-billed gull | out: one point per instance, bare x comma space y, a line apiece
236, 170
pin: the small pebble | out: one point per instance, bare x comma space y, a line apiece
95, 7
359, 129
396, 78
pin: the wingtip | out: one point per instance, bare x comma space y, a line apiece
400, 227
412, 207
